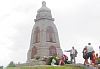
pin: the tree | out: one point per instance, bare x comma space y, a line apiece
1, 67
11, 64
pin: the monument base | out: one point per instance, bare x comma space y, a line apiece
32, 63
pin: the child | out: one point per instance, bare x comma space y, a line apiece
61, 62
93, 58
53, 63
65, 58
97, 58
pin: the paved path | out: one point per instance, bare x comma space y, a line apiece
87, 67
90, 67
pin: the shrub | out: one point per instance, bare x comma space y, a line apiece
98, 60
11, 64
38, 57
1, 67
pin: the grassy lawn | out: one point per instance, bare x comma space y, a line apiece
48, 67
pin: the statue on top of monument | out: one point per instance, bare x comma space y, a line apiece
43, 3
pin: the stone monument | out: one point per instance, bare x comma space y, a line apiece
44, 38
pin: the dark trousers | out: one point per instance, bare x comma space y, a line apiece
72, 56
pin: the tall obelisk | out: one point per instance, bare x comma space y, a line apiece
44, 37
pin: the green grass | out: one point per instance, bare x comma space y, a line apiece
48, 67
13, 68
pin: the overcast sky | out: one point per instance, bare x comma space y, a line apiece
77, 21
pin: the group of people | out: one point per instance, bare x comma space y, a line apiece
89, 53
64, 59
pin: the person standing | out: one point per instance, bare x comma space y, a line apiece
73, 54
85, 55
90, 50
